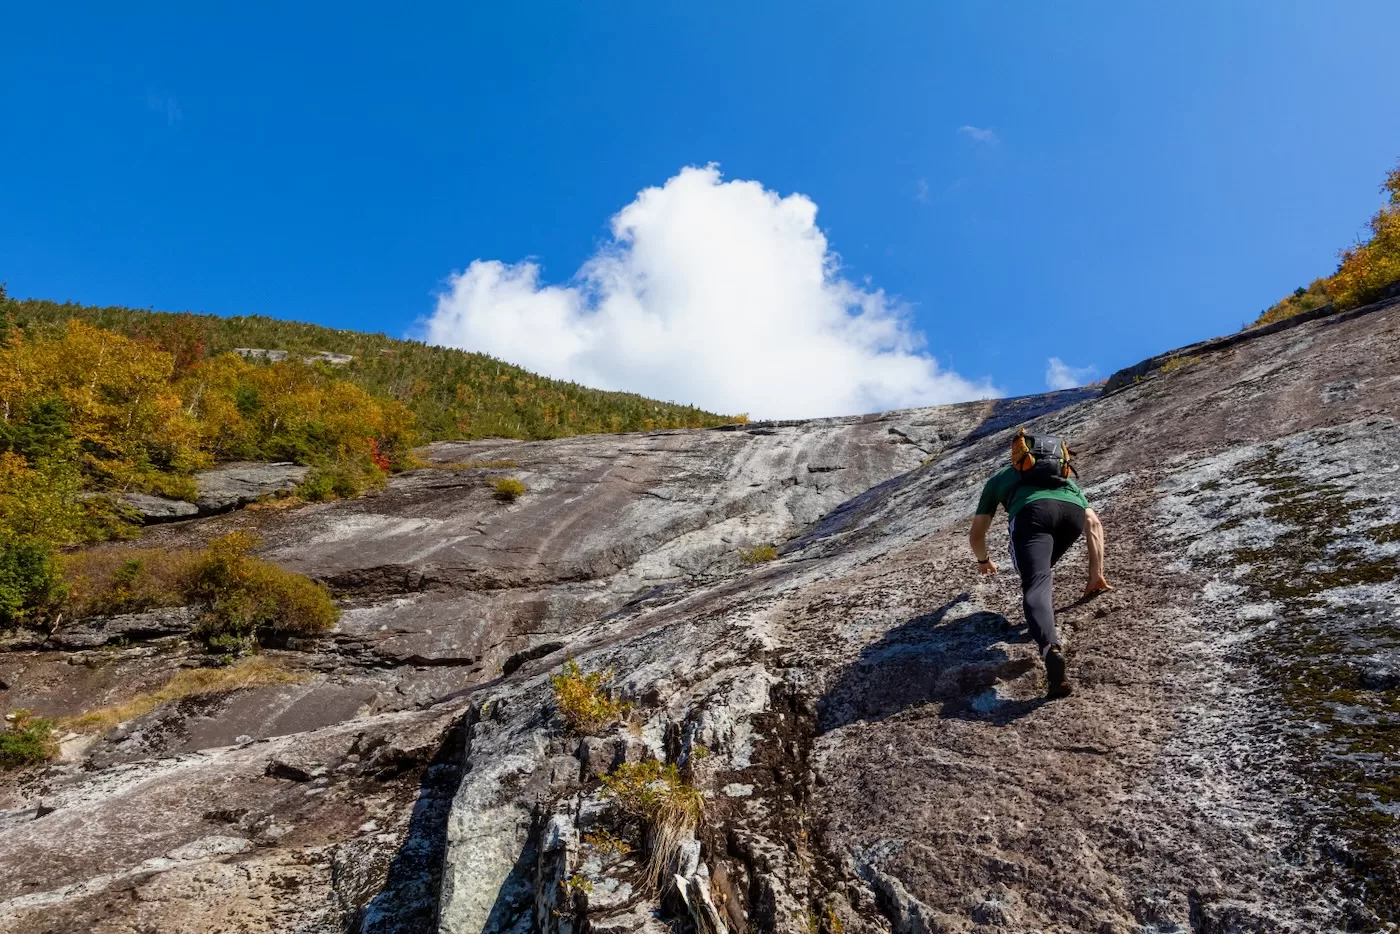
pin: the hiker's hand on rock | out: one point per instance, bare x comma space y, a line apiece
989, 568
1096, 585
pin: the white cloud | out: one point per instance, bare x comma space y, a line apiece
711, 292
921, 190
1060, 375
979, 134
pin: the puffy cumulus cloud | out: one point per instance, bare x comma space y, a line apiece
1060, 375
711, 292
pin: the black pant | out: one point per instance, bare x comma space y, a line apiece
1040, 535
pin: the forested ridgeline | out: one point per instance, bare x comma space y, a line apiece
452, 394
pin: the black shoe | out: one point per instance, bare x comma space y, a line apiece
1055, 674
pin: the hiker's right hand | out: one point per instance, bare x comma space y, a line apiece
989, 568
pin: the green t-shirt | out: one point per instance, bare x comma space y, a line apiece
1004, 489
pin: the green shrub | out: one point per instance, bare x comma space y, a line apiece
508, 489
345, 480
28, 740
30, 581
583, 699
758, 554
244, 597
241, 597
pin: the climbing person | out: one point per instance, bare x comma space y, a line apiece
1047, 514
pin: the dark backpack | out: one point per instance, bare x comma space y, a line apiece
1041, 460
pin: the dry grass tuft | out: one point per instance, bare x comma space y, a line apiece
668, 807
584, 700
290, 501
475, 465
1176, 363
249, 673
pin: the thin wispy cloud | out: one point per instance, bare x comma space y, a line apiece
165, 104
921, 190
1060, 375
720, 293
979, 134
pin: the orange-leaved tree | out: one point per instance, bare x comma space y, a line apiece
1369, 267
1366, 269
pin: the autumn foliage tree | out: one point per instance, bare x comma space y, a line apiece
1369, 267
105, 398
1364, 272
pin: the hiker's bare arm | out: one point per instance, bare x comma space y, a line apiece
977, 538
1093, 536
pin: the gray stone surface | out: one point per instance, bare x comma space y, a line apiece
864, 715
92, 632
276, 356
231, 485
159, 508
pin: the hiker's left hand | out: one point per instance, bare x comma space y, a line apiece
989, 568
1097, 585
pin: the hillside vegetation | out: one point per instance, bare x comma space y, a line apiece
1364, 271
450, 393
98, 402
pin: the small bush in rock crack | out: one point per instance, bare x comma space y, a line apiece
606, 843
758, 554
668, 806
508, 489
583, 699
1176, 363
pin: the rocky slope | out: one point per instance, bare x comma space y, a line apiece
863, 715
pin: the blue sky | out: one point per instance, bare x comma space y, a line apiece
1091, 182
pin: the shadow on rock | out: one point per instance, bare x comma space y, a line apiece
954, 654
514, 908
407, 902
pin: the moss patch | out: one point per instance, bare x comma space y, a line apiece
1345, 748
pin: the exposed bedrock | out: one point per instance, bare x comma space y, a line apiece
862, 715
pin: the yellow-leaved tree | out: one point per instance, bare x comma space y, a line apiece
1365, 271
293, 411
105, 398
1368, 268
